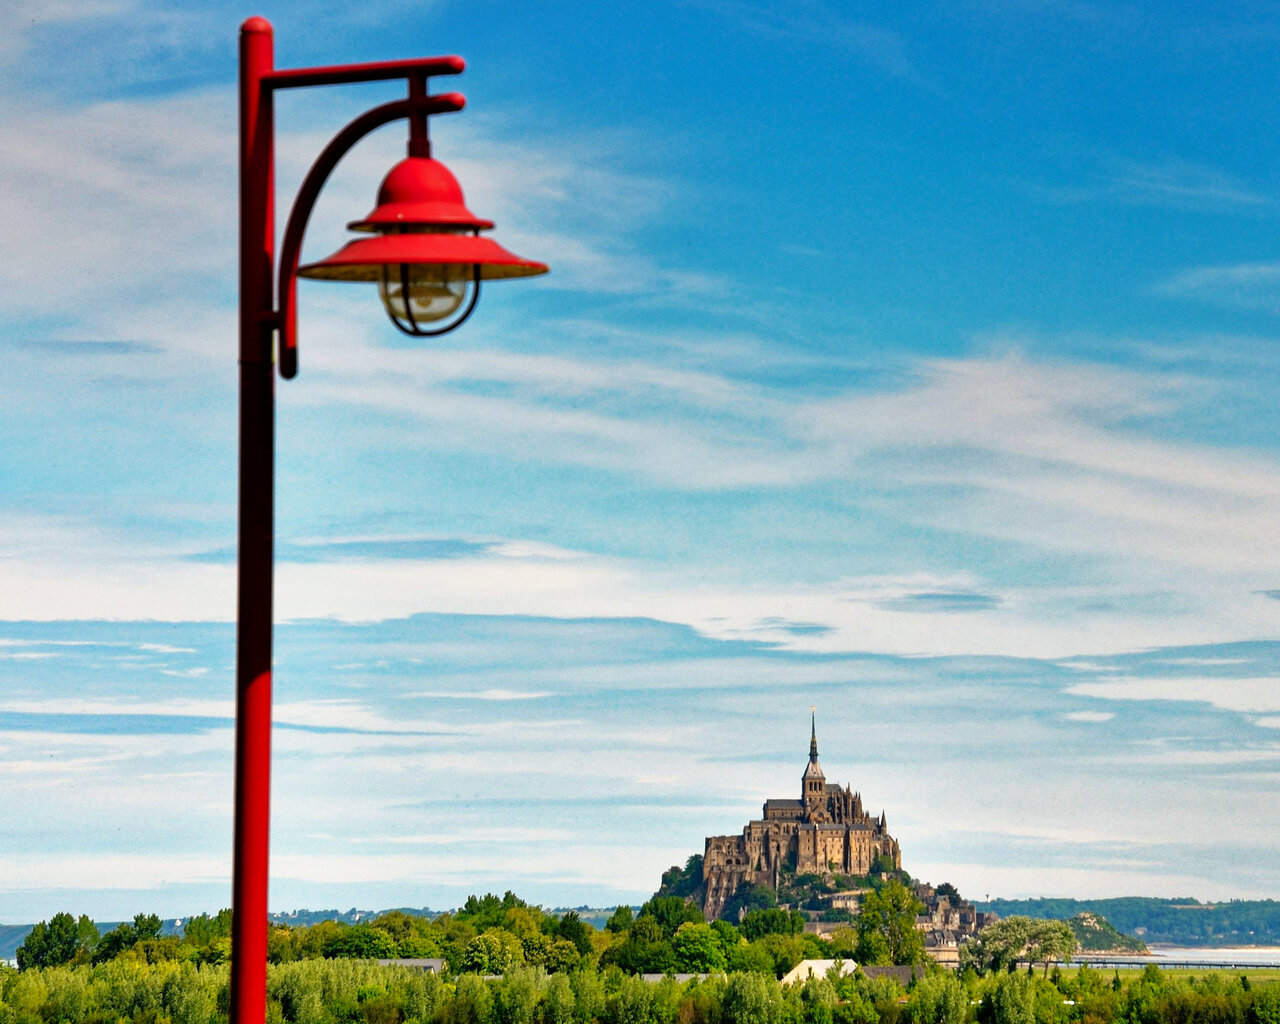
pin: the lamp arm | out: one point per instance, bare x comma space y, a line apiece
305, 201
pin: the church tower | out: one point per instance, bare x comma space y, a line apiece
813, 791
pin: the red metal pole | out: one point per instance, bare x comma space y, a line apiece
257, 468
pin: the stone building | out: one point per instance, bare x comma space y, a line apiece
947, 922
825, 832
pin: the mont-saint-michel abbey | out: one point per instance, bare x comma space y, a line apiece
826, 831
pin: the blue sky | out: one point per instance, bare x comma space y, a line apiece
915, 361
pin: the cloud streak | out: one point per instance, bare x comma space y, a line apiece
1242, 285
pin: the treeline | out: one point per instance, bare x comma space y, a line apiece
128, 990
492, 935
64, 939
296, 918
1182, 922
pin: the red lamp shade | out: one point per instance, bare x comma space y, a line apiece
426, 251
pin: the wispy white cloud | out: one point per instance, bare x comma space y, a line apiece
488, 695
331, 713
1245, 285
102, 871
814, 23
138, 187
1177, 184
449, 837
1224, 692
977, 879
80, 579
19, 17
1071, 441
177, 707
1089, 716
150, 183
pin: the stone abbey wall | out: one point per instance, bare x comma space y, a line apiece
825, 832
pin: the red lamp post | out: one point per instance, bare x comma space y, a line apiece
428, 259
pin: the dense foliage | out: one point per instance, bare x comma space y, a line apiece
494, 935
1183, 922
129, 990
509, 962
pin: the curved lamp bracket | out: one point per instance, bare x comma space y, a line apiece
417, 110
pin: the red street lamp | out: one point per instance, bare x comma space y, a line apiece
426, 254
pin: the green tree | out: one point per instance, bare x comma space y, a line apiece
588, 995
472, 1002
887, 932
536, 947
577, 931
632, 1003
54, 942
515, 998
748, 898
489, 911
397, 924
67, 998
298, 988
1012, 1000
751, 956
202, 929
621, 919
361, 942
883, 865
682, 882
147, 926
697, 949
87, 936
646, 929
558, 1000
1049, 940
562, 955
1266, 1005
818, 1000
189, 995
756, 924
786, 950
670, 912
752, 999
144, 928
999, 945
937, 999
494, 952
644, 950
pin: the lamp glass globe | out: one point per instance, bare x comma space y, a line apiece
423, 293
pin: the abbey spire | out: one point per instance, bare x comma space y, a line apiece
813, 790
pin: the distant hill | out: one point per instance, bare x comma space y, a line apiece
11, 937
301, 918
1096, 934
1178, 921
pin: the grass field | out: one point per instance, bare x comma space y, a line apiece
1256, 975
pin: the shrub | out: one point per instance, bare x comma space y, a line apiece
558, 1001
189, 994
472, 1002
515, 998
752, 999
298, 988
1011, 1000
